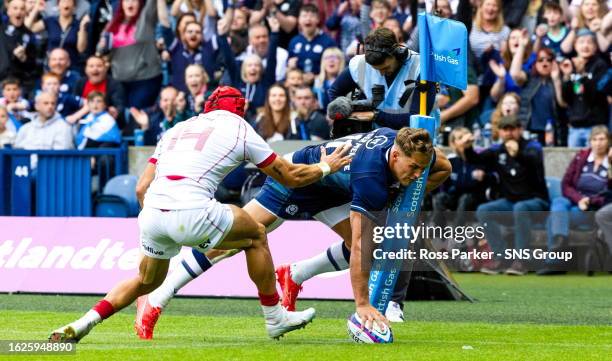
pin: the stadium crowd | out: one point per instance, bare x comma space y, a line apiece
89, 73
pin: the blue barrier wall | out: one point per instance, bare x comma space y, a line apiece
55, 183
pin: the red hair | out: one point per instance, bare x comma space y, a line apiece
119, 17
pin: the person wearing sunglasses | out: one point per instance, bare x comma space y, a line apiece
541, 97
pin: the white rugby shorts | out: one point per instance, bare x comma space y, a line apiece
164, 232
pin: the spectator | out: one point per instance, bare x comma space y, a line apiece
553, 31
294, 79
379, 12
98, 129
285, 11
183, 53
518, 58
181, 25
306, 48
584, 182
240, 21
345, 19
196, 80
182, 112
520, 167
488, 31
239, 40
508, 106
259, 43
64, 31
273, 120
541, 97
309, 123
239, 30
394, 25
59, 64
97, 79
7, 136
151, 121
17, 47
193, 46
135, 61
66, 103
332, 63
252, 79
82, 8
586, 106
465, 189
47, 130
14, 103
590, 16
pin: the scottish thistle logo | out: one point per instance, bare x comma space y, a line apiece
449, 56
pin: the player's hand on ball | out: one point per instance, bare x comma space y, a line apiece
338, 158
369, 315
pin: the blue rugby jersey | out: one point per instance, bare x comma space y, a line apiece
366, 181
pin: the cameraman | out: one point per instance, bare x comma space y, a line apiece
389, 64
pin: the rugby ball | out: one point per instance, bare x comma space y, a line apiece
378, 334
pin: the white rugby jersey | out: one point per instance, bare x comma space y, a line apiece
194, 156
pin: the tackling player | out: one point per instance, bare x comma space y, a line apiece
382, 160
179, 209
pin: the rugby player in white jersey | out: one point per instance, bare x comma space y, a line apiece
179, 209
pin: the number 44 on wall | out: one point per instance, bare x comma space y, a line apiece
22, 171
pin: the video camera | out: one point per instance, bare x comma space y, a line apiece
341, 108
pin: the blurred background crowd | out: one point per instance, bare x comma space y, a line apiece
139, 67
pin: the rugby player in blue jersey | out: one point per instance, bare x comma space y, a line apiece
346, 201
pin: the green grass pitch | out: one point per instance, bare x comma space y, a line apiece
522, 318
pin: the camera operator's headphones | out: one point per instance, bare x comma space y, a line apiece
398, 51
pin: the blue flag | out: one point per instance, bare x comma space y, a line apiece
404, 211
443, 48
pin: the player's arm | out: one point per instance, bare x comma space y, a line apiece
300, 175
439, 171
361, 257
145, 181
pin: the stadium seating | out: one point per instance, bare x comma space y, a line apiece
118, 198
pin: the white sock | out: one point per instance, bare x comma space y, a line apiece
190, 267
90, 318
273, 313
336, 258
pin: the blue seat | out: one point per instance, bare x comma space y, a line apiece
111, 206
118, 198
